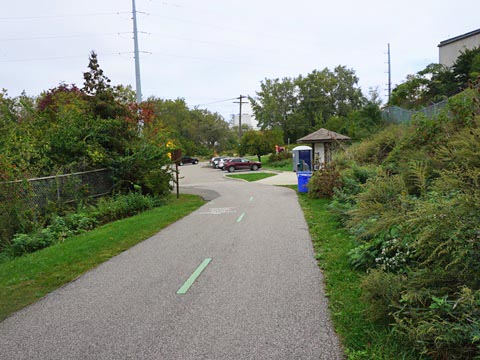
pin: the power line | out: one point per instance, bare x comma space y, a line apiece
48, 37
211, 59
62, 16
216, 102
60, 57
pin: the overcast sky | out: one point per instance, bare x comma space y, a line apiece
212, 50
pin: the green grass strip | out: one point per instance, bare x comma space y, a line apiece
252, 176
362, 339
28, 278
193, 277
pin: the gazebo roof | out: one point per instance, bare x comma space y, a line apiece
323, 135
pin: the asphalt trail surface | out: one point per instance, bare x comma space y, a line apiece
260, 297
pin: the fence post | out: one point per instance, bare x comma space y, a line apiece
58, 188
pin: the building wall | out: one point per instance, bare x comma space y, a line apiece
247, 119
449, 53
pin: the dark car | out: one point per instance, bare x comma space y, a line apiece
241, 164
188, 160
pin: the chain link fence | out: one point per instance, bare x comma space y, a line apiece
395, 114
37, 193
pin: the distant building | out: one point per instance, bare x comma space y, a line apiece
247, 119
450, 49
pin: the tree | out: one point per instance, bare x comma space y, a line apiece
303, 104
467, 67
100, 94
323, 94
260, 142
275, 104
95, 81
437, 82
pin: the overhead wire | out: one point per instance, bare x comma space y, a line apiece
62, 15
48, 37
59, 57
216, 102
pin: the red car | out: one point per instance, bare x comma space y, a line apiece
241, 164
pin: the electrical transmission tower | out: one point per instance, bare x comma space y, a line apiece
389, 74
138, 84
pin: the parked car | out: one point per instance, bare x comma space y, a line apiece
221, 163
214, 161
188, 160
241, 164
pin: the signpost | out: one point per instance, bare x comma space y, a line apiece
177, 158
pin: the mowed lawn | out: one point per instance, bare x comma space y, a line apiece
252, 176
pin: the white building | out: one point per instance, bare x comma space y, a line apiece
247, 119
450, 49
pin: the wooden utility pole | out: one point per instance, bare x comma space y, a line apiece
241, 97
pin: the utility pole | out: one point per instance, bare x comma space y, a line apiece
389, 75
241, 97
137, 56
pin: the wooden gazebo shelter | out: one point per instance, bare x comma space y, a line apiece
323, 142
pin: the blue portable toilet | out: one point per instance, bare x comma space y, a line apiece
302, 158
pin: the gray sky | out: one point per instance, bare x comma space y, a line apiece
212, 50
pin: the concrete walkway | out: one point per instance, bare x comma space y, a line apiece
282, 178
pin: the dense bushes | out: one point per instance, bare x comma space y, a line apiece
69, 129
411, 197
86, 218
324, 182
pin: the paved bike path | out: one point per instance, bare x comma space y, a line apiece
260, 297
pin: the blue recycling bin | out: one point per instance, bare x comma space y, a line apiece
303, 177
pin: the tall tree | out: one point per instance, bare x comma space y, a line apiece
303, 104
260, 142
467, 67
95, 81
323, 94
437, 82
100, 93
275, 104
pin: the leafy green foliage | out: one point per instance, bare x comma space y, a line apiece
259, 142
324, 182
326, 98
354, 316
415, 220
443, 327
67, 129
60, 228
436, 82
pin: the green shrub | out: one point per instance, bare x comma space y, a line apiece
377, 148
15, 213
352, 180
441, 326
62, 227
381, 290
23, 243
157, 182
281, 156
389, 251
324, 182
380, 206
121, 206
